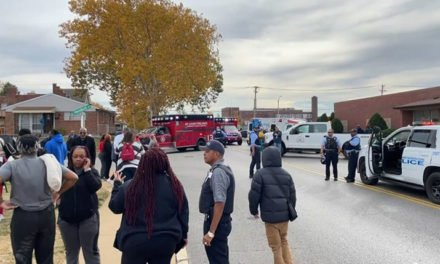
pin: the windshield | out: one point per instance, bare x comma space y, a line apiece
231, 129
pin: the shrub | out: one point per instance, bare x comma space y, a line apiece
377, 120
322, 118
337, 126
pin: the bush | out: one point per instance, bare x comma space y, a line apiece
377, 120
337, 126
322, 118
387, 131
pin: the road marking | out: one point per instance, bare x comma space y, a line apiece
382, 190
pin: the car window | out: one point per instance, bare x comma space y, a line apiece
319, 128
303, 129
422, 139
400, 137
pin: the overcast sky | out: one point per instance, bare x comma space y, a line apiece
334, 49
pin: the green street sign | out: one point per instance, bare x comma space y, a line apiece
82, 109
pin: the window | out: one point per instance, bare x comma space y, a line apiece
422, 139
68, 116
321, 128
304, 129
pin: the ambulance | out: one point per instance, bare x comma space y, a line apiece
179, 132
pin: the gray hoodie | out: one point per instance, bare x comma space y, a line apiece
277, 186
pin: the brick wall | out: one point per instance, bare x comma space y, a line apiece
359, 111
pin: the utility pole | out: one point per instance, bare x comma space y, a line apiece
382, 89
278, 115
255, 100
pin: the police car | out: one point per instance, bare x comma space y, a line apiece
409, 156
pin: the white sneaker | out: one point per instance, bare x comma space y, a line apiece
1, 217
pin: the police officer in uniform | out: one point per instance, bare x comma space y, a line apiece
255, 151
217, 204
352, 151
330, 147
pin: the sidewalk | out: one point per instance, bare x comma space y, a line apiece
109, 224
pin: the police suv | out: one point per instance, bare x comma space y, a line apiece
409, 156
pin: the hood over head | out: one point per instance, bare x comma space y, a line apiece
271, 157
58, 138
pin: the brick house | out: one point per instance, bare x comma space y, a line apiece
41, 113
398, 109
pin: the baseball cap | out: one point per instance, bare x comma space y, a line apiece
353, 130
214, 145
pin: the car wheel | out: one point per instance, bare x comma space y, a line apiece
200, 144
363, 174
432, 187
240, 142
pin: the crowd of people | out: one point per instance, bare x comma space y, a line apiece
146, 191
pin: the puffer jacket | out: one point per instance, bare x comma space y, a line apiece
270, 189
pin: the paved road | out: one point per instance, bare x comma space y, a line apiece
337, 223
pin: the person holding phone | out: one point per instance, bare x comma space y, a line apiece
78, 211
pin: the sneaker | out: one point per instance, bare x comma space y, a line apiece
327, 178
349, 180
335, 179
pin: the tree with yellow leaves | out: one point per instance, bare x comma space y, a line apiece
148, 55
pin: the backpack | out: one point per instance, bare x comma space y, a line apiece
331, 143
127, 152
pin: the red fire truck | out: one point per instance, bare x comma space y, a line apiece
229, 125
180, 131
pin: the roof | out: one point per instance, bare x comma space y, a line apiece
422, 103
54, 101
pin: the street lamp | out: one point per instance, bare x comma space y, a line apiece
278, 115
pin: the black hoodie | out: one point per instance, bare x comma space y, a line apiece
271, 187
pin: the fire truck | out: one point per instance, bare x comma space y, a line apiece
229, 125
180, 131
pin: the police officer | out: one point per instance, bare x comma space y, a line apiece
255, 151
330, 147
217, 203
352, 151
220, 135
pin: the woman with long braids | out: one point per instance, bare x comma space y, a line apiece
155, 211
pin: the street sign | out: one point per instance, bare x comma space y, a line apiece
81, 109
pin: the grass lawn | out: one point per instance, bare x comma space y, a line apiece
5, 241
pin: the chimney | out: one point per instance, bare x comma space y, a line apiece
57, 90
314, 108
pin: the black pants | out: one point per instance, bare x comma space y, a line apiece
138, 249
33, 230
256, 160
218, 252
331, 157
352, 164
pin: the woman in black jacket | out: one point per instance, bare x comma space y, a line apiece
78, 212
155, 211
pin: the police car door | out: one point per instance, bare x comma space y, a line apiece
297, 136
417, 154
374, 155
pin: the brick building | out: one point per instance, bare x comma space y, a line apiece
44, 112
246, 115
398, 109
